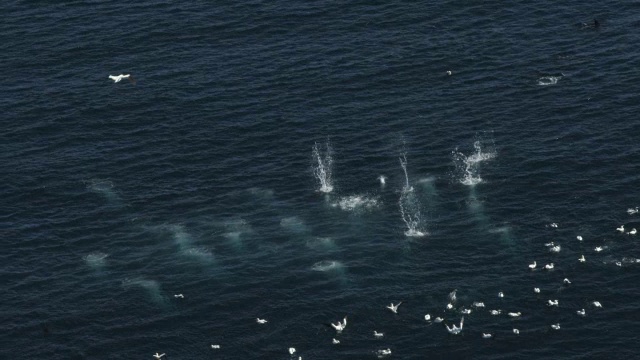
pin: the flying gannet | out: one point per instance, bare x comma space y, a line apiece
117, 78
158, 356
582, 259
394, 308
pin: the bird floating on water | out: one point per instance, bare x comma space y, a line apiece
555, 249
261, 321
533, 266
549, 266
555, 326
515, 314
449, 72
466, 311
118, 78
384, 352
621, 228
553, 225
516, 331
449, 306
478, 304
582, 259
292, 350
495, 312
536, 290
598, 248
158, 356
335, 341
377, 334
552, 302
619, 263
486, 336
438, 320
581, 312
383, 179
566, 281
500, 294
427, 317
579, 238
394, 308
631, 211
632, 231
215, 346
597, 304
180, 296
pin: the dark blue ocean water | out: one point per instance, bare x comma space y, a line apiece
200, 179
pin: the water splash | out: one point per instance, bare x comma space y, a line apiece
467, 167
327, 265
151, 287
409, 205
322, 168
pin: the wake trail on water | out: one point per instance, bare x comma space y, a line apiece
322, 167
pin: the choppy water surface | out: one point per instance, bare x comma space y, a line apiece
300, 162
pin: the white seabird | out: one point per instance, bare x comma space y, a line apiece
261, 321
179, 296
339, 326
478, 304
384, 352
438, 320
555, 249
582, 259
581, 312
632, 232
618, 263
466, 311
631, 211
554, 225
377, 334
533, 266
536, 290
597, 304
455, 330
555, 326
427, 317
394, 308
621, 228
579, 238
515, 314
500, 294
158, 356
552, 302
486, 336
383, 179
452, 295
215, 346
566, 281
335, 341
449, 306
118, 78
549, 266
449, 72
516, 331
598, 248
292, 350
495, 312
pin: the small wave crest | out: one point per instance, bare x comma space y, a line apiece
327, 265
549, 80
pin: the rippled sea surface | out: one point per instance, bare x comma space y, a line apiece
205, 178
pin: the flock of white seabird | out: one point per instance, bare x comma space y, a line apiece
456, 329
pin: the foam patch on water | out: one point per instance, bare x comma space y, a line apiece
151, 287
355, 202
549, 80
96, 260
199, 253
104, 188
327, 265
294, 224
321, 242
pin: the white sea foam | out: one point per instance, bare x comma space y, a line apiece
319, 242
409, 205
327, 265
294, 224
467, 166
200, 253
96, 260
152, 287
549, 80
104, 188
354, 202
